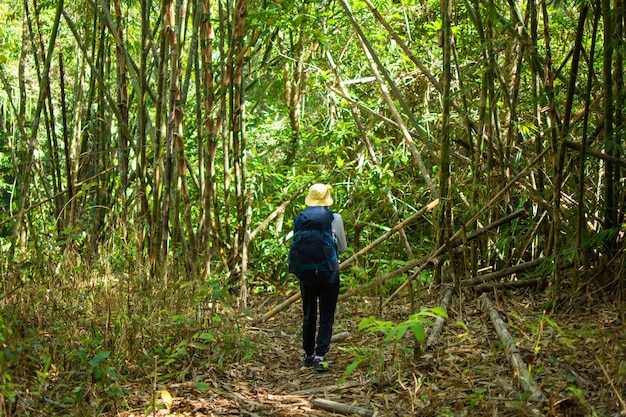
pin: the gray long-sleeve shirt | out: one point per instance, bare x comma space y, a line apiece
339, 233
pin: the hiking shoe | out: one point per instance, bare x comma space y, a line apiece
308, 360
320, 366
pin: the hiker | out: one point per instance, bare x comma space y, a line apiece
318, 239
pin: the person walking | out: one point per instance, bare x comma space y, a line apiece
318, 238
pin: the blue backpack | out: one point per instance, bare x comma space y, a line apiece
313, 247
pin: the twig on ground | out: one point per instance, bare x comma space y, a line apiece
615, 390
434, 333
342, 408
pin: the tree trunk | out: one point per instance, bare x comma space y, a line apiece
610, 209
24, 178
445, 212
207, 37
122, 100
67, 146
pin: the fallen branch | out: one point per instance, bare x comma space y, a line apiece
391, 232
342, 408
434, 333
520, 369
503, 272
523, 283
340, 337
281, 306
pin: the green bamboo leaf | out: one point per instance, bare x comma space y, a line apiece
418, 332
202, 386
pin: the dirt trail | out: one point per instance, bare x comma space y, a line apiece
467, 374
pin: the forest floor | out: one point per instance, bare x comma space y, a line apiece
576, 353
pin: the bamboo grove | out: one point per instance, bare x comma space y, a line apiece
181, 133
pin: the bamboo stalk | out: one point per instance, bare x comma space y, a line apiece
434, 333
342, 408
391, 232
377, 68
368, 144
503, 272
520, 368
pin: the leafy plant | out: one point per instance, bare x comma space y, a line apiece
393, 333
8, 389
415, 323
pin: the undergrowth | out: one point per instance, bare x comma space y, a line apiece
74, 336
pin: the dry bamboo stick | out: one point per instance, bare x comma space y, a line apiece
275, 213
434, 333
490, 286
342, 408
281, 306
392, 231
503, 272
384, 278
520, 368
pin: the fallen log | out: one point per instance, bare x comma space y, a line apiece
434, 333
520, 369
342, 408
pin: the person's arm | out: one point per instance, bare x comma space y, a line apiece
339, 232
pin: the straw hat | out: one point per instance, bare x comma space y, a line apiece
319, 195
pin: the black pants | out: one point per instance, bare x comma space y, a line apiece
323, 290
